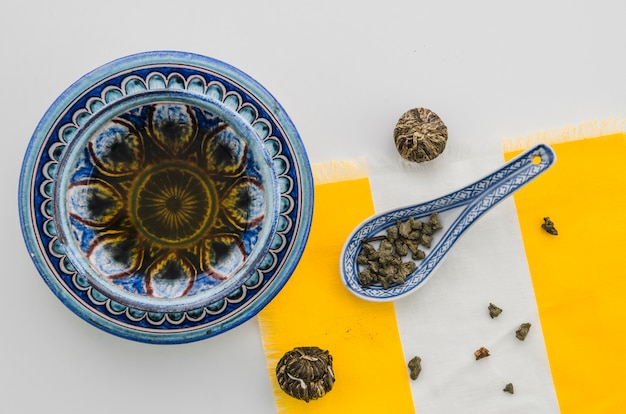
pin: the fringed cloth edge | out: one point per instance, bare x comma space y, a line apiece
333, 171
585, 130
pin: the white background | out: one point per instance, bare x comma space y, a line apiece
344, 71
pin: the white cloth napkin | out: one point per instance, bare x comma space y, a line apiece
447, 319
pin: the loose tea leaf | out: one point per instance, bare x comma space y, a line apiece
522, 331
509, 388
494, 311
415, 367
420, 135
384, 266
306, 373
481, 352
548, 226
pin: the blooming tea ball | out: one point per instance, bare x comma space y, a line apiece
420, 135
306, 373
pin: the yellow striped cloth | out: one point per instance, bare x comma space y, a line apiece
314, 309
578, 278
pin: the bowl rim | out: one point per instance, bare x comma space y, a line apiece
142, 302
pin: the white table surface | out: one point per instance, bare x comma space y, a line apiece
344, 71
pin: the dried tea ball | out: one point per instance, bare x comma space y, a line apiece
420, 135
306, 373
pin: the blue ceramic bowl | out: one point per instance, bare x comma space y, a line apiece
166, 197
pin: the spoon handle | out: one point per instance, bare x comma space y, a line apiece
489, 191
508, 179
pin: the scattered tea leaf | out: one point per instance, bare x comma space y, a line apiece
415, 367
509, 388
548, 226
494, 311
522, 331
481, 353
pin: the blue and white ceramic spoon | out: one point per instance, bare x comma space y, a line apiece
457, 211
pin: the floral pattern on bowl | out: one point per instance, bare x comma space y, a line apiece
165, 201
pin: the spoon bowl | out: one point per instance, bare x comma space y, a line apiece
457, 210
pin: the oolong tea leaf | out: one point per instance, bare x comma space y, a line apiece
522, 331
384, 265
494, 311
548, 226
481, 353
415, 367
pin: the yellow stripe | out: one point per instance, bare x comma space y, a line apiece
579, 276
314, 309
